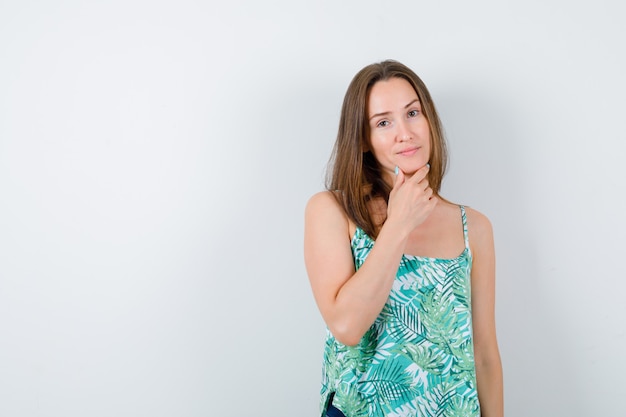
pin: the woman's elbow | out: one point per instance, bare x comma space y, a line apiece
346, 333
348, 340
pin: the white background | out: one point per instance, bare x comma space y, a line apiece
156, 158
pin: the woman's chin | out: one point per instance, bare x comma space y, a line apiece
412, 169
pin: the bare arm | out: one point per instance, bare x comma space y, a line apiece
350, 301
486, 353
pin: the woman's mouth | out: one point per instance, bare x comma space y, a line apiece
408, 151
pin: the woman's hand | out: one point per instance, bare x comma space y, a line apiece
411, 200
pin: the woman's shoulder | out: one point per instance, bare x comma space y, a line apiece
323, 200
479, 227
325, 214
325, 204
477, 220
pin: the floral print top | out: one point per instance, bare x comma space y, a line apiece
417, 359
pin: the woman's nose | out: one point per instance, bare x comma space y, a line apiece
404, 133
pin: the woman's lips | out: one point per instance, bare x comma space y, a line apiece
408, 151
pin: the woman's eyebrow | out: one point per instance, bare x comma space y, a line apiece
379, 114
417, 100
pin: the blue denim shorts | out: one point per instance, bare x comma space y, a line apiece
333, 411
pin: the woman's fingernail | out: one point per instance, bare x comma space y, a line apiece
396, 170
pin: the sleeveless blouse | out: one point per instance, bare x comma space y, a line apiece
417, 359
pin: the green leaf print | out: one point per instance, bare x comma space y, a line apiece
332, 365
350, 400
433, 402
464, 357
403, 322
359, 357
427, 358
438, 319
461, 289
460, 406
387, 382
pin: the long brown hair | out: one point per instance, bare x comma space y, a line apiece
354, 175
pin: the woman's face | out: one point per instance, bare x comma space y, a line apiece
399, 132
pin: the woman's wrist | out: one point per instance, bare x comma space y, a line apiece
394, 231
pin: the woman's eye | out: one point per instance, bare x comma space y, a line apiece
383, 123
413, 113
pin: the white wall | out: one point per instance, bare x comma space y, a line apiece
156, 157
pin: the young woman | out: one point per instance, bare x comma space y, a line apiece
404, 279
